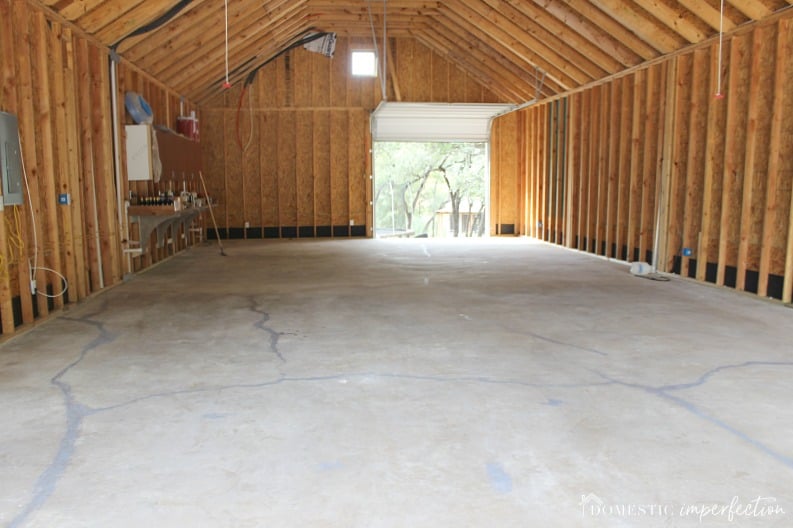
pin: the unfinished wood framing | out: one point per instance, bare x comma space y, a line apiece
46, 95
57, 82
306, 172
627, 160
723, 165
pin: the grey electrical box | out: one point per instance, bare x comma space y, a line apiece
10, 160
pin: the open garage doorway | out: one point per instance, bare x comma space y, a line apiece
430, 189
431, 169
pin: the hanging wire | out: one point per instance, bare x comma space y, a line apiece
720, 95
243, 92
376, 50
250, 115
227, 84
33, 265
383, 83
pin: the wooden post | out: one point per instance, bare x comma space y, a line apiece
541, 175
772, 235
622, 236
27, 131
573, 153
751, 217
90, 227
531, 169
523, 174
787, 287
635, 187
106, 195
613, 166
661, 246
734, 151
677, 186
695, 157
602, 171
79, 286
713, 170
592, 172
652, 146
62, 161
583, 171
9, 98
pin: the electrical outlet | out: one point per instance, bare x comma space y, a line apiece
64, 199
687, 252
247, 225
33, 286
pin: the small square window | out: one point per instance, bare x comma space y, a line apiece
364, 64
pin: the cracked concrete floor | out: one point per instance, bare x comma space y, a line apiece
413, 383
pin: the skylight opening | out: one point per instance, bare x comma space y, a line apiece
364, 64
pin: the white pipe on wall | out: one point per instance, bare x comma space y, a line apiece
123, 228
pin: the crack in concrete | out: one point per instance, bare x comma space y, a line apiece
565, 344
75, 413
707, 375
664, 393
349, 375
559, 342
261, 324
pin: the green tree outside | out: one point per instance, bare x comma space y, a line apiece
429, 189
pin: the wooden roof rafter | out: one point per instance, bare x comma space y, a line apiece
499, 42
509, 69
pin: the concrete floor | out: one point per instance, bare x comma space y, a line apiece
411, 383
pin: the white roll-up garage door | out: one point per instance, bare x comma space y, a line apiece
434, 121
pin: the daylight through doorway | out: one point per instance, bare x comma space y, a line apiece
430, 189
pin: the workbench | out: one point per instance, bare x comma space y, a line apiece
162, 219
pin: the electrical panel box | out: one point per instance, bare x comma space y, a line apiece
10, 159
139, 153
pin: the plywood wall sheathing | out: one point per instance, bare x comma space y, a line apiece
655, 155
310, 159
56, 81
708, 246
780, 166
